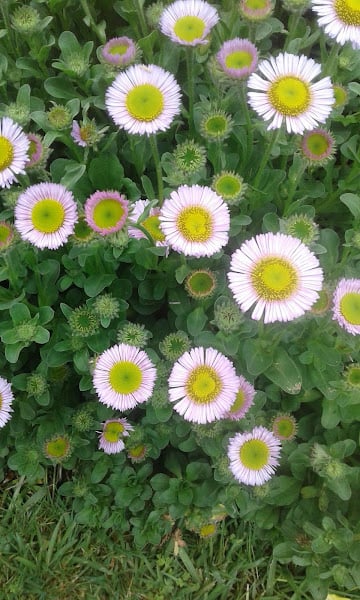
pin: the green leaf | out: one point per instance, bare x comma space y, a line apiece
330, 414
106, 172
12, 351
60, 87
283, 491
196, 321
284, 372
258, 358
352, 201
41, 336
97, 283
19, 313
99, 471
198, 470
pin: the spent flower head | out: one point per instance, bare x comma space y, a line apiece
134, 334
59, 117
352, 376
106, 306
216, 125
174, 345
58, 448
317, 147
300, 226
36, 385
256, 10
6, 235
284, 427
189, 157
83, 322
200, 284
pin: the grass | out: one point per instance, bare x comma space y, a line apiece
46, 555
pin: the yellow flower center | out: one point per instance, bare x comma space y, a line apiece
189, 28
118, 49
195, 224
86, 132
6, 153
152, 225
274, 279
145, 102
125, 377
203, 385
239, 402
57, 448
290, 96
254, 454
5, 234
317, 143
113, 431
207, 530
350, 307
228, 186
238, 59
48, 215
107, 213
256, 4
348, 11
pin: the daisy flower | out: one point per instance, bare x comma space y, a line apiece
124, 377
253, 456
203, 385
286, 93
244, 399
340, 19
143, 99
6, 399
346, 305
151, 223
188, 22
112, 434
278, 274
106, 212
256, 10
238, 58
37, 151
119, 51
14, 145
195, 221
45, 215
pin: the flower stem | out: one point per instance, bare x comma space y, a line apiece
97, 30
158, 169
265, 157
190, 88
329, 65
293, 23
249, 137
140, 12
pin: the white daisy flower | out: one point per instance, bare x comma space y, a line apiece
143, 99
6, 399
346, 309
253, 456
14, 145
340, 20
45, 215
112, 434
286, 94
195, 221
203, 385
278, 274
124, 377
188, 22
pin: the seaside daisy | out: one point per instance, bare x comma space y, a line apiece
346, 305
300, 226
287, 94
230, 186
340, 19
188, 22
6, 399
203, 385
6, 235
256, 10
119, 51
143, 99
106, 212
243, 401
14, 145
254, 456
317, 147
216, 125
151, 223
200, 283
238, 58
112, 434
45, 215
124, 377
284, 427
278, 274
195, 221
174, 345
37, 152
58, 448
